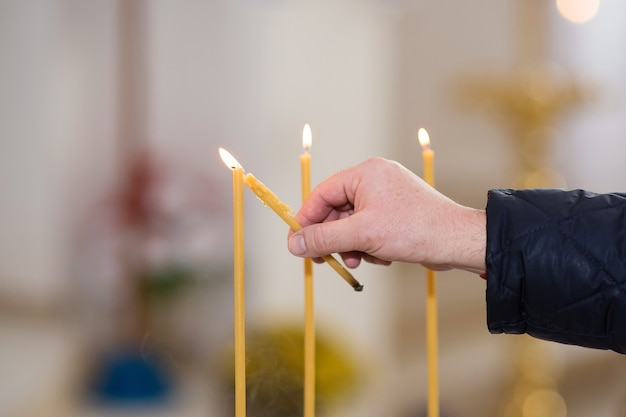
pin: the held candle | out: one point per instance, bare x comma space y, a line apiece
309, 312
428, 157
239, 287
285, 213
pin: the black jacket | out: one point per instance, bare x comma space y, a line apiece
556, 266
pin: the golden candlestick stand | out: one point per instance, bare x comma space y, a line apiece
530, 102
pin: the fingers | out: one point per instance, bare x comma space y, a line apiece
332, 237
323, 239
331, 200
350, 259
353, 259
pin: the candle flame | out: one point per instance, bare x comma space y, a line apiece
307, 137
228, 159
424, 139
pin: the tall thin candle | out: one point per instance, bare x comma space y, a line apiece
239, 283
428, 157
309, 311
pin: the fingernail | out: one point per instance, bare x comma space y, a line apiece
297, 245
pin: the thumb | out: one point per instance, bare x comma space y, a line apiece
322, 239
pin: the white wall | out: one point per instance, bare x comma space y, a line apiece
56, 122
591, 149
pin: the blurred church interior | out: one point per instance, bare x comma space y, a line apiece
116, 215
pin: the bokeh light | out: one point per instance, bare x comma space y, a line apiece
578, 11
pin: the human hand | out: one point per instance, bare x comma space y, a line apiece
380, 212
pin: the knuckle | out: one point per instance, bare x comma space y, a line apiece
318, 240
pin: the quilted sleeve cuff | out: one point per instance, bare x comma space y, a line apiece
556, 266
505, 268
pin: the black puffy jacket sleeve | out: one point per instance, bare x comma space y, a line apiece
556, 266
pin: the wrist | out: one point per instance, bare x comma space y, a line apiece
471, 241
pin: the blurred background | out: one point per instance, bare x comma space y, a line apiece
116, 215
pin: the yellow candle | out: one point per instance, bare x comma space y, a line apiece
286, 213
239, 284
428, 157
309, 312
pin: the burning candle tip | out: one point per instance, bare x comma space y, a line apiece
424, 139
229, 159
307, 137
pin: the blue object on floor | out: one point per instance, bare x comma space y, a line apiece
126, 377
